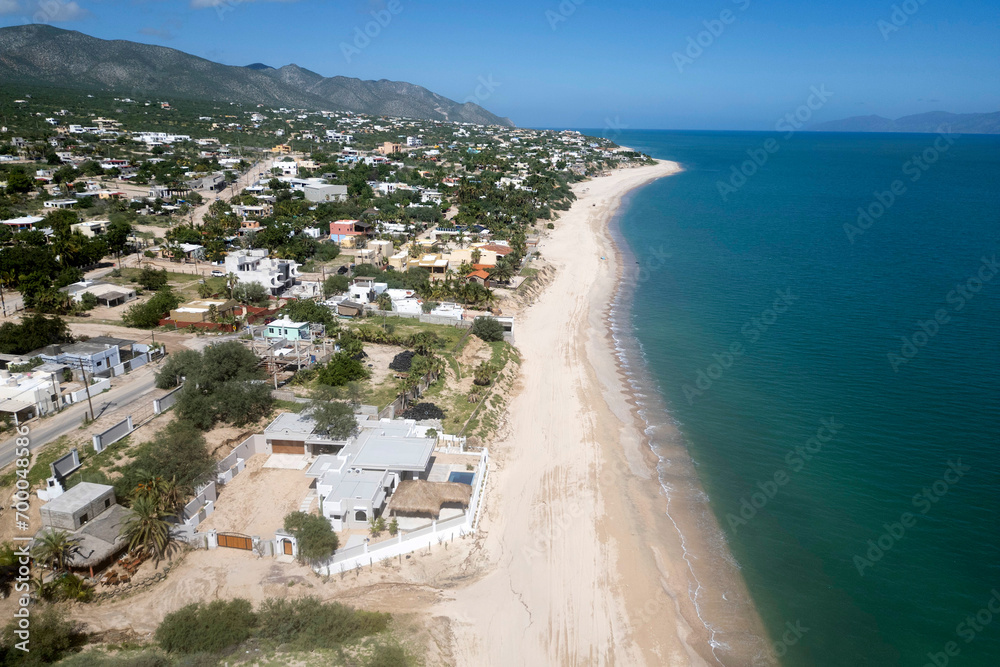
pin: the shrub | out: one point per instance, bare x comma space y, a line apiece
147, 315
388, 654
309, 623
341, 369
52, 638
488, 328
207, 628
88, 301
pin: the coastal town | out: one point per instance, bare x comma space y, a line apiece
280, 346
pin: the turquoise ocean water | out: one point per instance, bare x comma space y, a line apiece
838, 388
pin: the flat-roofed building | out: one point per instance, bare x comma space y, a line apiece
203, 310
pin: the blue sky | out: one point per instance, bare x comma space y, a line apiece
712, 64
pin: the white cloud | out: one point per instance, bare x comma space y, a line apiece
44, 11
10, 7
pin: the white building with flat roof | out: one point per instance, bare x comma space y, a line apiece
254, 266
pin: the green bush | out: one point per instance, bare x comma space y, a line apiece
388, 654
341, 369
88, 301
207, 628
52, 638
309, 623
488, 328
148, 315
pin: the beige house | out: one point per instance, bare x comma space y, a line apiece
435, 263
400, 261
201, 310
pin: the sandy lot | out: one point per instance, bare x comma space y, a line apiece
257, 500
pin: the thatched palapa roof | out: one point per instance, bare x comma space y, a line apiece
417, 497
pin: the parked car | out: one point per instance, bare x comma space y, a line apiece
218, 274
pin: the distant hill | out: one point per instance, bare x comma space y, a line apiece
48, 56
962, 123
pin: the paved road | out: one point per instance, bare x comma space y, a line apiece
44, 431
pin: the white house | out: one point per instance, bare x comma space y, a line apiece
355, 484
254, 266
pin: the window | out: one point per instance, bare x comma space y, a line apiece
84, 519
107, 503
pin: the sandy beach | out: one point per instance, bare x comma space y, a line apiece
583, 563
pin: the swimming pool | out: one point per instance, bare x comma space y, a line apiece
462, 477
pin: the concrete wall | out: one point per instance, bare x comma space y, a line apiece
64, 465
113, 434
233, 465
165, 402
81, 395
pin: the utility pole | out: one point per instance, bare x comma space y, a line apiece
86, 386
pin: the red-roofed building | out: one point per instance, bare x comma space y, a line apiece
481, 277
497, 248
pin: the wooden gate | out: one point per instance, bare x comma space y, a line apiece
288, 547
235, 541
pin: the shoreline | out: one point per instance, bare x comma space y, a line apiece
588, 539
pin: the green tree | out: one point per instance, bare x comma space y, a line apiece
333, 418
19, 182
314, 535
34, 331
335, 284
251, 294
178, 365
179, 453
152, 279
117, 236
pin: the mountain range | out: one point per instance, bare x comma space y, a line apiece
961, 123
52, 57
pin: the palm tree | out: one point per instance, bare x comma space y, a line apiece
165, 493
146, 530
55, 548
